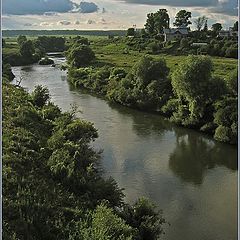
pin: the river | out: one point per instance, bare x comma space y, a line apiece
188, 175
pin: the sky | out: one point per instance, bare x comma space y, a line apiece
108, 14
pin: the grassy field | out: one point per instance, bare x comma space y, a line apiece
115, 54
118, 54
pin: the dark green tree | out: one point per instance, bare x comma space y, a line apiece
235, 26
182, 18
156, 22
21, 39
131, 32
79, 56
27, 49
216, 27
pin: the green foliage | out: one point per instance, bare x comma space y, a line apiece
145, 86
192, 84
182, 18
50, 44
226, 119
7, 73
27, 49
156, 22
40, 96
143, 217
155, 47
131, 32
232, 52
53, 185
216, 27
235, 26
21, 39
79, 56
232, 82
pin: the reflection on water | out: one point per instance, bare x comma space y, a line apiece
187, 174
193, 156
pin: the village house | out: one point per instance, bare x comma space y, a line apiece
175, 33
228, 33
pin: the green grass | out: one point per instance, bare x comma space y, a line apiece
115, 54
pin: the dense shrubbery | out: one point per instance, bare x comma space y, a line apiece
50, 44
191, 96
52, 184
24, 54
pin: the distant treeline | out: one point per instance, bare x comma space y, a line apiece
15, 33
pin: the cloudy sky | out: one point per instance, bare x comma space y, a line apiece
107, 14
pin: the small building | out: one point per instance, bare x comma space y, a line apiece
228, 33
175, 33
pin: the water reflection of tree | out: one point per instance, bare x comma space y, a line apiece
144, 123
194, 154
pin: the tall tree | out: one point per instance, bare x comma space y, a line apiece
131, 32
235, 26
216, 27
156, 22
205, 28
182, 18
150, 24
161, 20
199, 22
27, 49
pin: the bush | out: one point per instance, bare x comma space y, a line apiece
79, 56
232, 52
223, 134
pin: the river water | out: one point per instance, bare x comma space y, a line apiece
192, 178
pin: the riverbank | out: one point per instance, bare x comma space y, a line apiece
177, 168
192, 104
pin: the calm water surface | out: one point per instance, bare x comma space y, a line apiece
187, 174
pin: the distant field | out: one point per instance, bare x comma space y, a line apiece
118, 54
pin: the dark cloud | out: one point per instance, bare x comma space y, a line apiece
22, 7
227, 7
87, 7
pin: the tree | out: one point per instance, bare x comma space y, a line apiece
182, 18
216, 27
192, 82
131, 32
27, 49
161, 20
232, 82
150, 24
79, 56
156, 22
40, 96
205, 28
199, 22
235, 26
21, 39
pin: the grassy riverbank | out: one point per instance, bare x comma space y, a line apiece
193, 91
